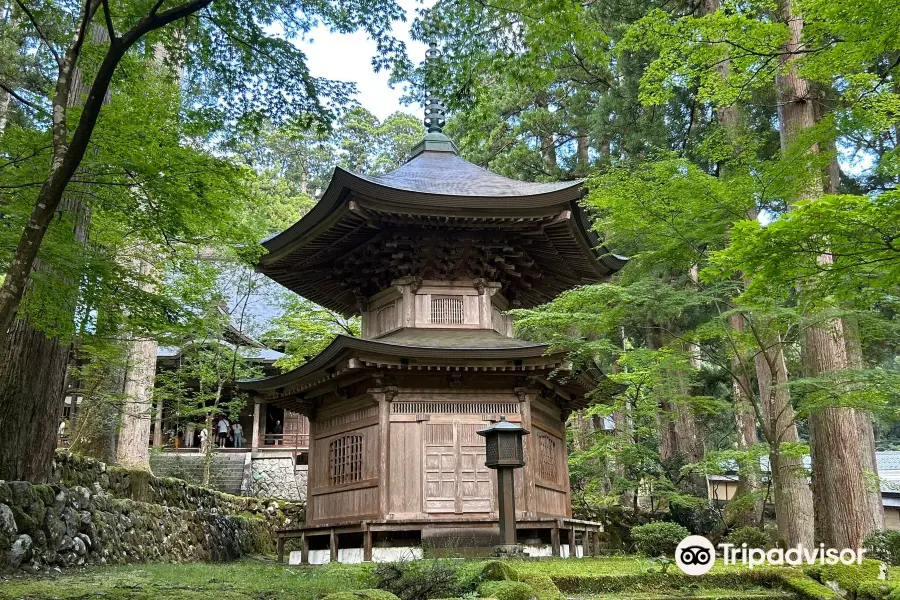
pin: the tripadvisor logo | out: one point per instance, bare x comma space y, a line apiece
696, 555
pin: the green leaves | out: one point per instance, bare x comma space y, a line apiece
304, 329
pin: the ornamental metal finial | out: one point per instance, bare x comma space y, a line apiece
434, 108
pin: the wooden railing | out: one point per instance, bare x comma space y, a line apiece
272, 441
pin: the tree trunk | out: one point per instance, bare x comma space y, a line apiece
839, 486
793, 497
748, 513
31, 380
582, 151
133, 449
866, 429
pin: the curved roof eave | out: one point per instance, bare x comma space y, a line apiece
343, 344
343, 181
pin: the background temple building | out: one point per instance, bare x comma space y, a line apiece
432, 255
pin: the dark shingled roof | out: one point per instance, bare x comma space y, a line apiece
438, 217
445, 173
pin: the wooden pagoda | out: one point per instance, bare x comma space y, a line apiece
432, 255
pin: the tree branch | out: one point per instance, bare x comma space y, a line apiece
22, 100
40, 32
109, 24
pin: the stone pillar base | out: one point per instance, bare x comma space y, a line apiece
509, 551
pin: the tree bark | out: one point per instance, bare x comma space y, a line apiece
866, 429
32, 375
839, 486
133, 450
793, 496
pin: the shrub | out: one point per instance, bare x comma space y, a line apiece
497, 570
659, 538
417, 580
885, 546
754, 537
543, 587
361, 595
506, 590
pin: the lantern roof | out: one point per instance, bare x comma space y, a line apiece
502, 426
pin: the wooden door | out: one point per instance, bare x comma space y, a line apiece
440, 467
475, 481
456, 480
296, 430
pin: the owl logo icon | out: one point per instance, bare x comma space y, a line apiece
695, 555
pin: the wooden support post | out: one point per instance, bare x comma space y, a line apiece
281, 549
531, 457
256, 410
596, 539
587, 542
304, 549
554, 541
383, 396
367, 543
333, 545
572, 549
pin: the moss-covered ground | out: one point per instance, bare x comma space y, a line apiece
625, 578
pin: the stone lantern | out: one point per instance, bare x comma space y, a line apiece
503, 445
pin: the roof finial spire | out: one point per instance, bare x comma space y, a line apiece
434, 108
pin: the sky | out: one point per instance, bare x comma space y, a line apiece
348, 58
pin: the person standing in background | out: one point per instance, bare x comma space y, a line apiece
223, 431
204, 437
238, 433
278, 432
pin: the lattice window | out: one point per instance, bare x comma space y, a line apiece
454, 408
447, 310
547, 462
345, 459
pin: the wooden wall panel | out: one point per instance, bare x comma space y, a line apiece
406, 468
550, 502
350, 503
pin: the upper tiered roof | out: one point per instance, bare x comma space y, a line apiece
438, 217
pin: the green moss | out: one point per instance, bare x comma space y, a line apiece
848, 577
805, 588
362, 595
506, 590
877, 590
543, 587
497, 570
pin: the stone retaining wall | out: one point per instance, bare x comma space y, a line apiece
279, 477
94, 514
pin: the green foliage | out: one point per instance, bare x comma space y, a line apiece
542, 586
884, 546
304, 329
498, 570
659, 538
754, 537
847, 577
361, 595
506, 590
417, 579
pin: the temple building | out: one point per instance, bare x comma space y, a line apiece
432, 256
